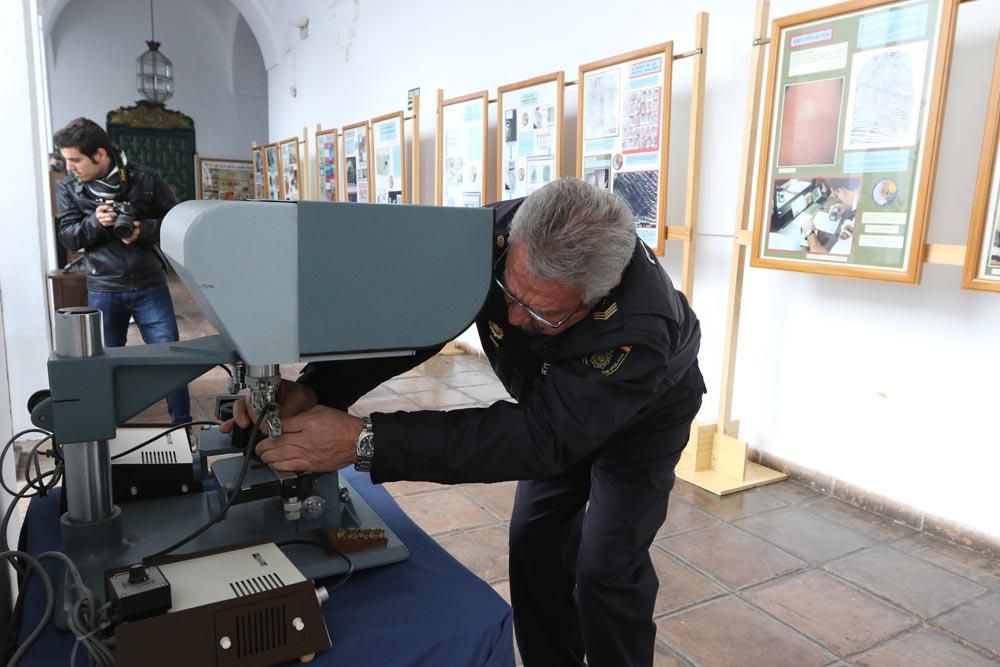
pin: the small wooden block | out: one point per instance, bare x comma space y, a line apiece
353, 540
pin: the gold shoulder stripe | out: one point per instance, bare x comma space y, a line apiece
607, 313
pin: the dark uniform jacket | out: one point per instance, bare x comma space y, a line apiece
111, 265
627, 371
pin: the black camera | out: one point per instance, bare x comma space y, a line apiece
124, 223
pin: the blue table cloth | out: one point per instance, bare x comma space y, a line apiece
427, 610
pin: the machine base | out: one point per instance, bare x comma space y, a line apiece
142, 528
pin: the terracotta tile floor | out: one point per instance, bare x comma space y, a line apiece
777, 575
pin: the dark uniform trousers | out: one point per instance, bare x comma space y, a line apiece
581, 578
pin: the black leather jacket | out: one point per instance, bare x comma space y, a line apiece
111, 265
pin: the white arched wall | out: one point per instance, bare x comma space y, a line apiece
253, 11
261, 23
226, 123
94, 45
248, 75
24, 336
878, 386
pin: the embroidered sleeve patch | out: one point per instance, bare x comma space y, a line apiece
607, 362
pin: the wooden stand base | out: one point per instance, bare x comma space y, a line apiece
718, 462
451, 347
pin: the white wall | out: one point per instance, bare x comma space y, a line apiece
94, 44
23, 324
887, 387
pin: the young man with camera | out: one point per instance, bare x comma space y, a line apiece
111, 210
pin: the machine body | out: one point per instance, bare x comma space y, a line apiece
282, 283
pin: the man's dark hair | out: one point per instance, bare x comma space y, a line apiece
84, 135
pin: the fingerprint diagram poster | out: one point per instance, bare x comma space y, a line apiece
326, 165
356, 163
529, 143
387, 135
848, 122
624, 137
258, 174
290, 168
463, 151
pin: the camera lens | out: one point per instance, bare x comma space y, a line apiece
123, 228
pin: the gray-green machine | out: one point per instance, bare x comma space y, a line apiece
282, 283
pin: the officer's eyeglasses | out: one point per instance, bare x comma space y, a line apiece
510, 298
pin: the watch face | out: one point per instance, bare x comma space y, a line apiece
366, 447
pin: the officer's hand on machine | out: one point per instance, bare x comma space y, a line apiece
314, 438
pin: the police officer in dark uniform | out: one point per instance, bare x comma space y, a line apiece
586, 331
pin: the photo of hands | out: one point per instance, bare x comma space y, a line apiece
815, 215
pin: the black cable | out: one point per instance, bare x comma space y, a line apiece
226, 368
85, 614
229, 501
177, 427
49, 601
343, 577
10, 511
35, 482
83, 619
10, 639
7, 446
57, 450
14, 629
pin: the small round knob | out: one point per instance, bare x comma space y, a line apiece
137, 575
225, 643
298, 624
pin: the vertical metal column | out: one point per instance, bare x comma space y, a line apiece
79, 334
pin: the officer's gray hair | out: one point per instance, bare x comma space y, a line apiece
576, 234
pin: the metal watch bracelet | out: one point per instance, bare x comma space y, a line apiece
365, 447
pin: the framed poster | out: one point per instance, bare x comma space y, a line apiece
461, 150
982, 253
529, 134
389, 172
273, 182
231, 180
357, 141
854, 101
328, 164
257, 156
623, 131
288, 168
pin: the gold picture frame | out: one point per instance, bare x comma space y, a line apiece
272, 168
257, 157
289, 169
542, 98
357, 148
460, 178
852, 117
327, 164
389, 182
982, 252
219, 178
623, 133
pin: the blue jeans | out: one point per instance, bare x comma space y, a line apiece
154, 313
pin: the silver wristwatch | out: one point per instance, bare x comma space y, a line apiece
365, 447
